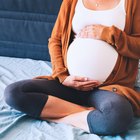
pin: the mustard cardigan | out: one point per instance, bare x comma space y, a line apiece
126, 43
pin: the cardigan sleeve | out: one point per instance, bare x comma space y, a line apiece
126, 45
55, 44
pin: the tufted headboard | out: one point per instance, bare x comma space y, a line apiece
25, 26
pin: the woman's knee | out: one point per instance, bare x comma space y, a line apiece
113, 117
26, 97
13, 93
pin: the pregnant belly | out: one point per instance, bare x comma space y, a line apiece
91, 58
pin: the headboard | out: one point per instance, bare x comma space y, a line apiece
25, 26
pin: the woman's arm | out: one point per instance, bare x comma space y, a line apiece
55, 44
126, 45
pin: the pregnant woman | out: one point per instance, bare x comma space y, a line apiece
94, 49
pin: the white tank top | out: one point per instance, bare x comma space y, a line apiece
84, 16
93, 58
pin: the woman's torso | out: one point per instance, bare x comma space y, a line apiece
92, 58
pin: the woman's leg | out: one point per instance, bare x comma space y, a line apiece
56, 108
31, 97
113, 114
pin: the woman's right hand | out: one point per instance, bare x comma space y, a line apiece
80, 83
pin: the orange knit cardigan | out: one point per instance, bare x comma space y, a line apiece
126, 43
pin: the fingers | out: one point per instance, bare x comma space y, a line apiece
80, 83
85, 80
92, 27
88, 83
91, 31
86, 86
87, 33
78, 78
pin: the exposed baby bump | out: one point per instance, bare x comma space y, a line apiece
91, 58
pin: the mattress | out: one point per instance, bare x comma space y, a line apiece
15, 125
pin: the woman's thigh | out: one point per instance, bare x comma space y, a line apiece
32, 96
42, 87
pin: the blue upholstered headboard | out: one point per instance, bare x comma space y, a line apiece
25, 26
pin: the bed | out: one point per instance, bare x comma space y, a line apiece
15, 125
25, 26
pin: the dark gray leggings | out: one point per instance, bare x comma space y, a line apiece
113, 112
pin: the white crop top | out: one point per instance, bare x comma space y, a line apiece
84, 16
93, 58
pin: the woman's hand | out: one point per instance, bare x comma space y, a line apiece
80, 83
92, 31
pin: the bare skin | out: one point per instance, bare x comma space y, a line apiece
61, 111
102, 4
58, 110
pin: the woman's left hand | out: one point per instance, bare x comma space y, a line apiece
92, 31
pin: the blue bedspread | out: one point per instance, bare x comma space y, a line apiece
15, 125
